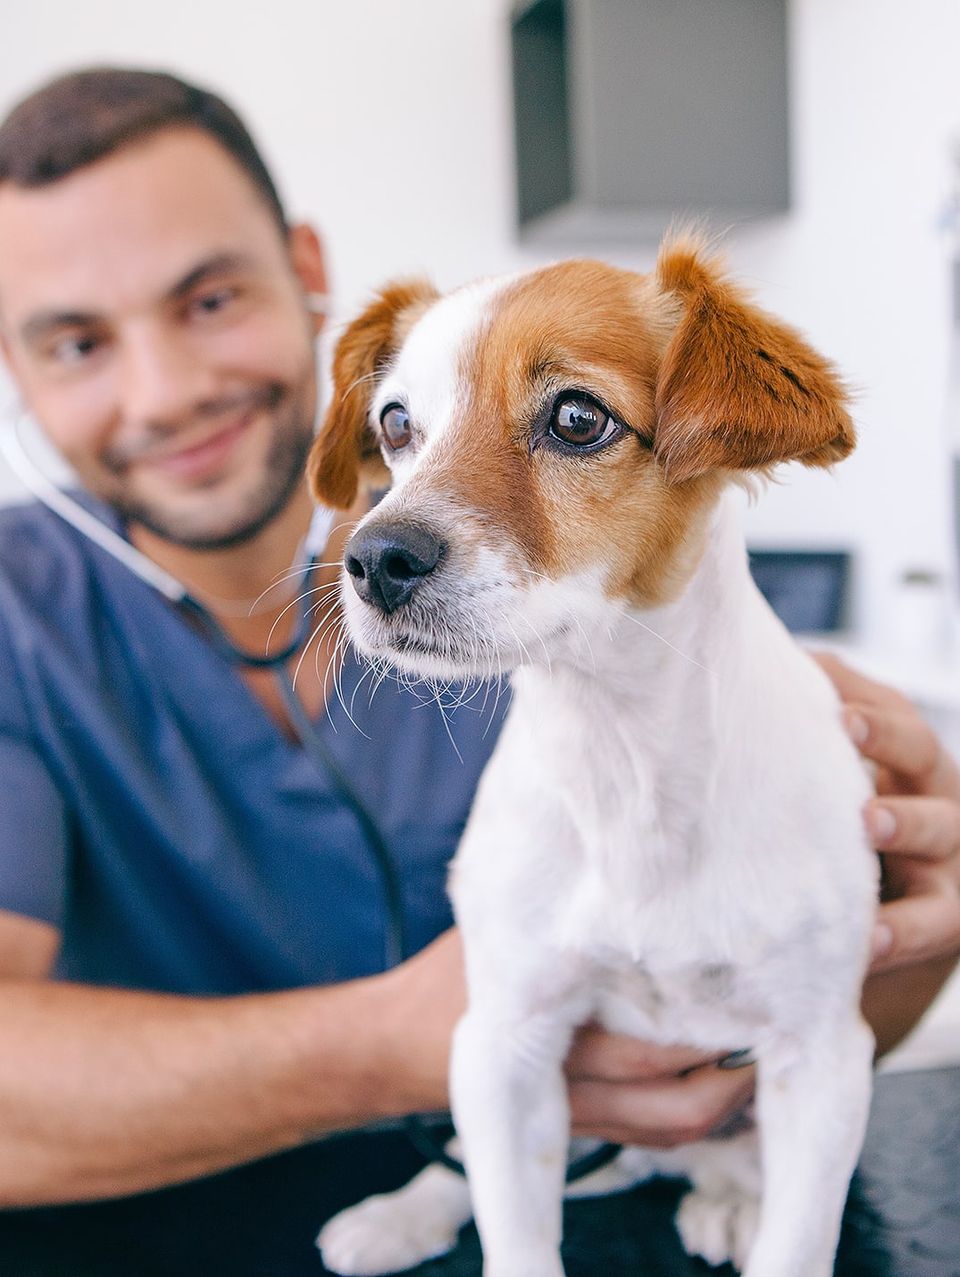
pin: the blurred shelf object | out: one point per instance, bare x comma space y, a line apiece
808, 589
630, 113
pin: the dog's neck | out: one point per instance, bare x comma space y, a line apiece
651, 656
648, 702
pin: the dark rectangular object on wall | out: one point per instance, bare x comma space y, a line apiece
808, 589
631, 113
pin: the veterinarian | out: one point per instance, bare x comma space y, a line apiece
192, 921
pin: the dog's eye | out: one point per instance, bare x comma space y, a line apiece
395, 424
580, 422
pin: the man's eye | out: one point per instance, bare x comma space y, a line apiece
73, 350
581, 423
213, 303
396, 427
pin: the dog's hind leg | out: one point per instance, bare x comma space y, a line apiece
812, 1103
717, 1219
396, 1231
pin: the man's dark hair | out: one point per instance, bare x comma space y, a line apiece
86, 115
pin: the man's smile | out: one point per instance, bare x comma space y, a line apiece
201, 459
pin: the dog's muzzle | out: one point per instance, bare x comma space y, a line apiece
387, 562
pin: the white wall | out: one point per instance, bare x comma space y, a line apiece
388, 122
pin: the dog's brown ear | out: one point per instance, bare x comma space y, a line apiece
346, 449
737, 389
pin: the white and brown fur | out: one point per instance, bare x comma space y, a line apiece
668, 838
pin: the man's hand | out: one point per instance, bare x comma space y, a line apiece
630, 1092
914, 822
620, 1089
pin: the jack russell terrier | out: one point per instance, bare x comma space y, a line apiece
668, 838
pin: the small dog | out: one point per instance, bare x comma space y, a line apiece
668, 838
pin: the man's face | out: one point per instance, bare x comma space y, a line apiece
153, 318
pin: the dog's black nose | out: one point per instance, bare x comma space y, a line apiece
388, 561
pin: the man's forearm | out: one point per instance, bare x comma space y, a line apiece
106, 1092
895, 1001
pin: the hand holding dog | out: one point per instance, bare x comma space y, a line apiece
633, 1092
914, 823
620, 1089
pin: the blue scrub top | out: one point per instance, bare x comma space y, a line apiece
153, 811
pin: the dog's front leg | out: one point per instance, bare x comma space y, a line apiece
812, 1103
510, 1107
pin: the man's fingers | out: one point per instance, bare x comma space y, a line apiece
927, 827
853, 686
660, 1114
613, 1057
897, 739
918, 927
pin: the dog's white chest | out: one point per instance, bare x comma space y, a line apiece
657, 889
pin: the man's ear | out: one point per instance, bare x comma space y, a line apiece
307, 259
737, 389
346, 448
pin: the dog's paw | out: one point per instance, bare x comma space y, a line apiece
382, 1235
720, 1227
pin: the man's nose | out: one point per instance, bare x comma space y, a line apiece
163, 378
388, 561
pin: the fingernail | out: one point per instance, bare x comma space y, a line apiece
857, 726
738, 1059
882, 940
881, 823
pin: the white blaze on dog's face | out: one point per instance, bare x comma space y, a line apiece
555, 440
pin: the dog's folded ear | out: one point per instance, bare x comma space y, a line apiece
737, 389
346, 451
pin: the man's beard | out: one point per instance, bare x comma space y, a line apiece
284, 471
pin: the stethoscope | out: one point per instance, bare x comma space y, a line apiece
37, 482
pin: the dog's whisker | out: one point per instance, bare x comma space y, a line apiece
303, 655
368, 673
500, 682
324, 627
307, 565
446, 724
627, 616
635, 620
333, 670
293, 602
586, 640
525, 650
325, 596
384, 672
341, 698
354, 385
332, 606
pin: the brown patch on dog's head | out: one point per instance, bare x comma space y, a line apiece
587, 326
737, 389
346, 450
